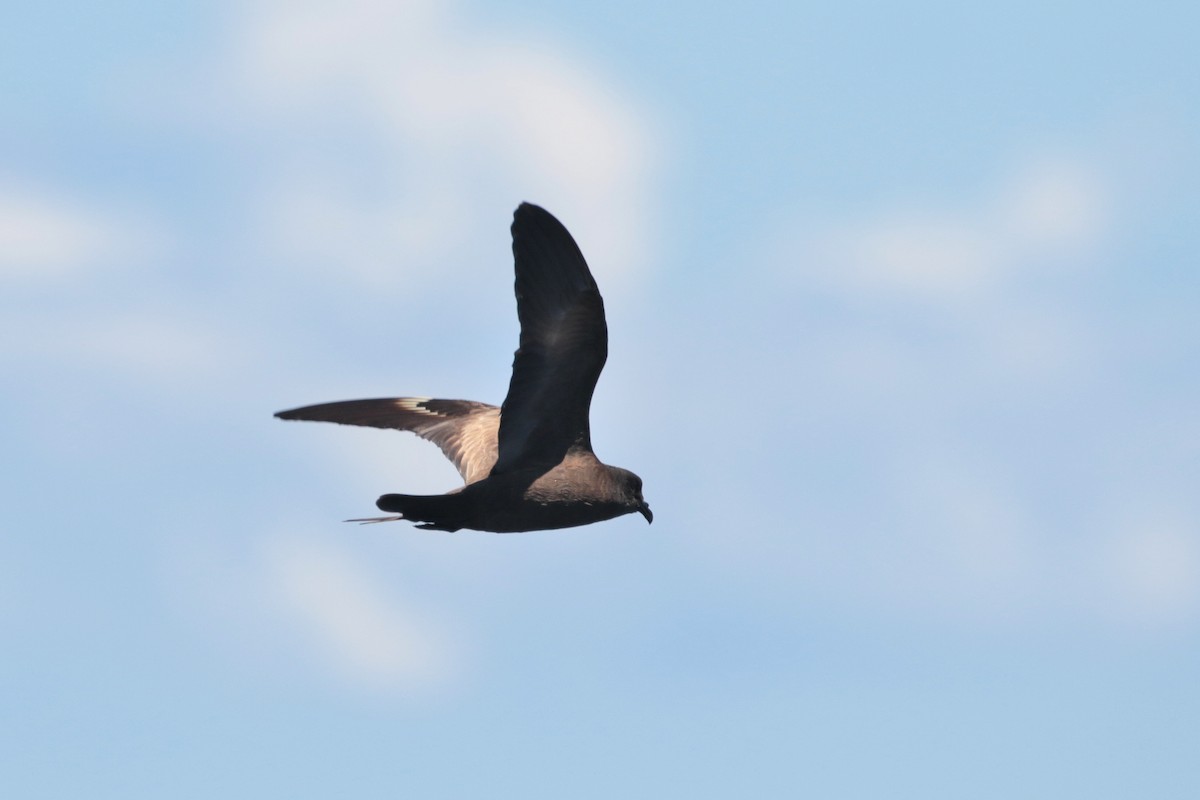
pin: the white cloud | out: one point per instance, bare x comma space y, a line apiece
918, 254
455, 122
352, 623
1049, 214
964, 344
46, 237
134, 346
1055, 205
1150, 570
303, 609
992, 276
160, 346
973, 521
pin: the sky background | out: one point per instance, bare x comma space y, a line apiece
904, 319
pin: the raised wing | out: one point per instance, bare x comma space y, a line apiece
465, 431
564, 343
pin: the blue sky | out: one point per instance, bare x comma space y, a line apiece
903, 340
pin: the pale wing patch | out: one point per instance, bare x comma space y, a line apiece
478, 445
467, 439
416, 405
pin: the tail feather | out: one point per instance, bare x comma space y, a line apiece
438, 512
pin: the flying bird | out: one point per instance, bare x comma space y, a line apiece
527, 465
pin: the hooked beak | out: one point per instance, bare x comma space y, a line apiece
644, 510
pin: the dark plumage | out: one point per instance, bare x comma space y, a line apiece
527, 465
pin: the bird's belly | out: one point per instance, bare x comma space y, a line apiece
535, 515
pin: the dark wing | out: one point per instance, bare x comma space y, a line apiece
564, 343
464, 430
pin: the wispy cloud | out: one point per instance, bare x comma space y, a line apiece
970, 379
1149, 567
1050, 214
454, 122
306, 609
134, 346
47, 237
85, 256
352, 624
1053, 206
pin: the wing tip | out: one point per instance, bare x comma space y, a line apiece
528, 213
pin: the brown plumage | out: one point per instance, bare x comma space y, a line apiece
527, 465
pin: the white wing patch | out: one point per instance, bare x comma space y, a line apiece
417, 405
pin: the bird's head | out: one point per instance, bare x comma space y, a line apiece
631, 486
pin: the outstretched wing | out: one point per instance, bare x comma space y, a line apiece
465, 431
564, 343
